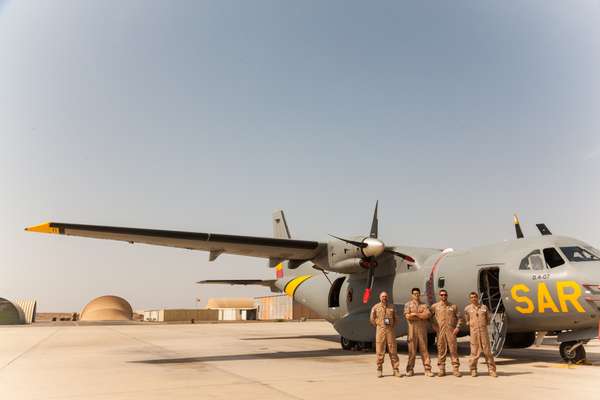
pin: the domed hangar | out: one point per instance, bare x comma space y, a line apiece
9, 313
107, 308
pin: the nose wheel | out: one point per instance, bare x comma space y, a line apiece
573, 352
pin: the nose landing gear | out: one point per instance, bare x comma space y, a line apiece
573, 352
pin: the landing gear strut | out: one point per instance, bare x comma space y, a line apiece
573, 352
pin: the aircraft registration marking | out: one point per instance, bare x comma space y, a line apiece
568, 292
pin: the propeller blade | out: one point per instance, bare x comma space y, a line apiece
375, 223
360, 245
518, 228
401, 255
369, 287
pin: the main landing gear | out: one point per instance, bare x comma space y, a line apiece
573, 352
348, 344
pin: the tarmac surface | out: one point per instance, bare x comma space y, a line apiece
286, 360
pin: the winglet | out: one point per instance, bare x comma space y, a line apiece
46, 227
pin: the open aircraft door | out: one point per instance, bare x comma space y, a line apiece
491, 296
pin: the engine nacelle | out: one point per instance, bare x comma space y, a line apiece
348, 266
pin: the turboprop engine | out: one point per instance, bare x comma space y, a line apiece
360, 256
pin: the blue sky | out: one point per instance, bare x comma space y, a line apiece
207, 115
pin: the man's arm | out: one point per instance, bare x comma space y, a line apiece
434, 322
407, 313
458, 319
487, 315
372, 316
425, 314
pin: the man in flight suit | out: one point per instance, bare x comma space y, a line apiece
446, 322
417, 314
384, 319
477, 317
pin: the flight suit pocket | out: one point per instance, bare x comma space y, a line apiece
388, 317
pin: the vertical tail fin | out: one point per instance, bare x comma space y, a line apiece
280, 227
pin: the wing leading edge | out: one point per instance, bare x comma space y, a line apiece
263, 247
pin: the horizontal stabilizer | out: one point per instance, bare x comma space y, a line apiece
255, 282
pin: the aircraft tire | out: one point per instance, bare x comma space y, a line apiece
346, 343
576, 356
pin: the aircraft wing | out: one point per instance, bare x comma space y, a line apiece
216, 244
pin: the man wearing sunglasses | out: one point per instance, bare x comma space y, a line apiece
446, 323
477, 317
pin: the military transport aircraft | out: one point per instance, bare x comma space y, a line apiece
534, 286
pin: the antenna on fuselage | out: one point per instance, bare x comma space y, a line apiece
518, 230
543, 229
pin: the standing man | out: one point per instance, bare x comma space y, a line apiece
446, 322
384, 319
417, 314
477, 317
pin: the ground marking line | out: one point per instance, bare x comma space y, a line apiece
29, 349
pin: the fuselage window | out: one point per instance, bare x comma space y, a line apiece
553, 259
533, 261
578, 254
441, 282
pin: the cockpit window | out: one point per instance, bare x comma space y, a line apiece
578, 254
533, 261
593, 250
553, 259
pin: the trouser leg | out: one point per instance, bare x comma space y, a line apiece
453, 350
489, 358
380, 348
424, 351
392, 349
442, 350
412, 353
474, 356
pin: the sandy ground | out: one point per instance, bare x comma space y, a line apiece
299, 360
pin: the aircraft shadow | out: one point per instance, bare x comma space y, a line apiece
256, 356
329, 338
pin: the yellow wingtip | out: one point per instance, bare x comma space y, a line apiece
42, 228
516, 219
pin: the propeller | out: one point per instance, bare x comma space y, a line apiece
371, 248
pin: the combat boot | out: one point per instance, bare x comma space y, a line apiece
456, 373
410, 373
441, 373
474, 373
380, 373
397, 373
429, 374
493, 374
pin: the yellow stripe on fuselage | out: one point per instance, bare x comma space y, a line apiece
292, 285
42, 228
